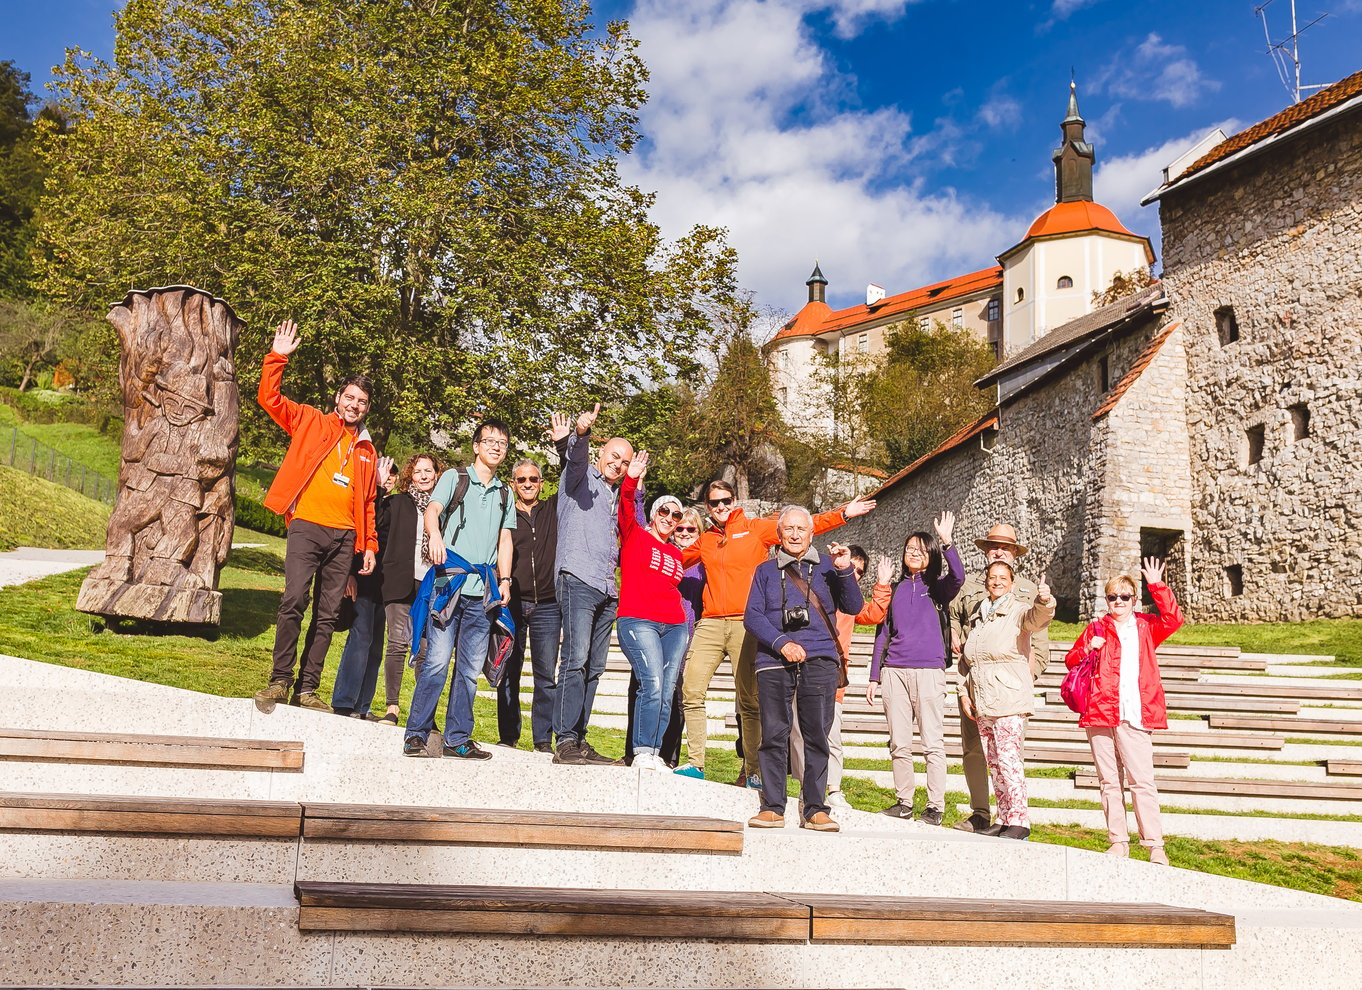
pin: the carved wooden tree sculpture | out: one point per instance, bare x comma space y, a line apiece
172, 527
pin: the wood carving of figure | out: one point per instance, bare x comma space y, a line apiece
172, 527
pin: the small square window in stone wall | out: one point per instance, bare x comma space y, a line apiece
1300, 421
1256, 439
1226, 325
1234, 581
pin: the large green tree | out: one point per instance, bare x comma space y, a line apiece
429, 188
20, 181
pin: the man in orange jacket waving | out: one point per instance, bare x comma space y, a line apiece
731, 552
325, 491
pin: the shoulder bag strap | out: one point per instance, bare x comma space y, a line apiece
798, 581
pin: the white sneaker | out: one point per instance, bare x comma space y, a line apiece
835, 800
649, 761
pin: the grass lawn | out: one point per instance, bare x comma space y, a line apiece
39, 513
37, 620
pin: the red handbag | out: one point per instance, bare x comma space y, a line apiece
1079, 683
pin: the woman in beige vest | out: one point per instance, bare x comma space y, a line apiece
998, 689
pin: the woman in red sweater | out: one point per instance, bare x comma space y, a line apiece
1127, 703
652, 624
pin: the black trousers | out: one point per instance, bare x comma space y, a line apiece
320, 553
814, 683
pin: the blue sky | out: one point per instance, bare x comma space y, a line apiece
897, 142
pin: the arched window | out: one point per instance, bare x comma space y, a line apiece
1064, 282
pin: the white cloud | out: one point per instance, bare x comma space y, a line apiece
1000, 111
1061, 9
1120, 183
1156, 70
744, 131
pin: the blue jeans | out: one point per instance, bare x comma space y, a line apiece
471, 628
655, 651
357, 675
540, 624
588, 615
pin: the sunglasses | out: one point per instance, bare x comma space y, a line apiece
668, 514
528, 481
687, 529
719, 503
1112, 599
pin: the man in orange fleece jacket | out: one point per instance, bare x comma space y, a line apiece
731, 552
325, 491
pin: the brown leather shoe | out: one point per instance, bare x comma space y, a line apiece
821, 822
274, 694
766, 819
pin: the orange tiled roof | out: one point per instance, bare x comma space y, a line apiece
1074, 218
816, 318
1297, 113
960, 436
1136, 369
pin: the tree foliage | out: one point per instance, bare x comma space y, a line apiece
1123, 284
36, 336
21, 178
921, 391
430, 189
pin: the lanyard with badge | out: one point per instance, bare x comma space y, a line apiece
339, 477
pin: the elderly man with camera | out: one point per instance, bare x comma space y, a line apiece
789, 613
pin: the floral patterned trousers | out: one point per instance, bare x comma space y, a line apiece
1004, 736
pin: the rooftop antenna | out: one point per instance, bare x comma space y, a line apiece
1288, 51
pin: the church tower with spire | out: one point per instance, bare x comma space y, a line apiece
1071, 251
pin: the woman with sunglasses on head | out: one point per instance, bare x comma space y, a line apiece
910, 657
652, 624
692, 589
1127, 703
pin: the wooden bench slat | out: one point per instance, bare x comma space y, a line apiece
66, 820
514, 817
748, 927
1344, 768
152, 805
1186, 703
128, 737
1247, 788
1289, 726
471, 833
156, 754
1011, 933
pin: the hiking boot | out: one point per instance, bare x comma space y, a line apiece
543, 747
276, 692
976, 823
899, 810
467, 751
1158, 856
821, 822
414, 746
592, 758
310, 701
766, 819
1015, 832
569, 753
686, 770
932, 816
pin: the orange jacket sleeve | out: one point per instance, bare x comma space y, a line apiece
878, 607
282, 410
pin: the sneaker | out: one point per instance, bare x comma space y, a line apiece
754, 782
836, 800
766, 819
272, 695
976, 823
932, 816
821, 822
649, 761
310, 701
686, 770
1015, 832
467, 751
899, 810
543, 747
1158, 856
569, 753
595, 759
507, 745
414, 746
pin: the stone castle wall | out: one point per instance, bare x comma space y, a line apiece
1277, 237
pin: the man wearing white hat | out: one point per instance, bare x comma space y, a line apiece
1000, 544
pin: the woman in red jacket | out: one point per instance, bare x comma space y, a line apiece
652, 624
1127, 703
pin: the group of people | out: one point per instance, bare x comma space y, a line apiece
432, 555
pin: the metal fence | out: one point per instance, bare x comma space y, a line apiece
27, 454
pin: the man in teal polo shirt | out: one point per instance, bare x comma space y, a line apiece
477, 528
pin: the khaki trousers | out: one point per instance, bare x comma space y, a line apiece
916, 695
715, 639
835, 759
1126, 748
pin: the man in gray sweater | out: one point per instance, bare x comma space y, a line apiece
588, 552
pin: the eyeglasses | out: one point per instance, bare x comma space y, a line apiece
1113, 599
914, 552
668, 514
686, 529
860, 571
528, 481
494, 444
719, 503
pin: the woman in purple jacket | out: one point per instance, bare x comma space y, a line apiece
910, 658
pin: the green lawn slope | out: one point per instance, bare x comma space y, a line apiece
38, 513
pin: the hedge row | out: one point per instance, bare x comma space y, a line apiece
250, 514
